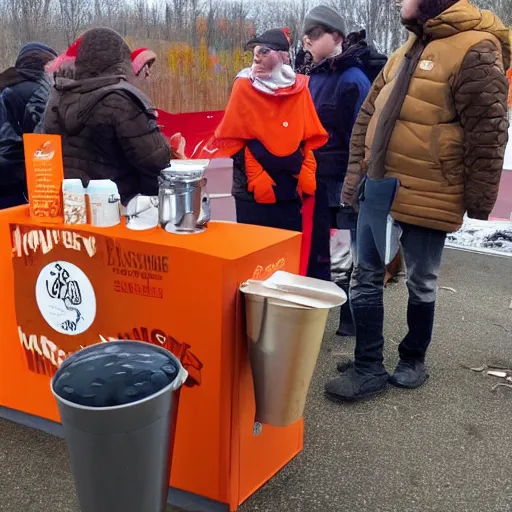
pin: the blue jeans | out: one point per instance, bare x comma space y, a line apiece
422, 250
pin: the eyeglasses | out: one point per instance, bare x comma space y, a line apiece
317, 32
263, 50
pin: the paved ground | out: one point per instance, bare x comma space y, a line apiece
443, 448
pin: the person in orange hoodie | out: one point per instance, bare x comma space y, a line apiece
270, 129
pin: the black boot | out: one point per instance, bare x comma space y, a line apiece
344, 365
346, 326
367, 376
409, 374
411, 371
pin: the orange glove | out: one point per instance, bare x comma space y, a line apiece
307, 175
258, 180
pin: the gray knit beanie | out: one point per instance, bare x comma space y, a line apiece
323, 15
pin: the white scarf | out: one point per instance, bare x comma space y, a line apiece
282, 76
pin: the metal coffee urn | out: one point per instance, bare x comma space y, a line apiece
183, 203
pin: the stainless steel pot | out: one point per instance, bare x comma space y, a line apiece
183, 203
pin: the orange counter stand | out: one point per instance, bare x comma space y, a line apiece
64, 287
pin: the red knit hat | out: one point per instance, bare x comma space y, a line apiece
141, 57
66, 59
73, 49
288, 34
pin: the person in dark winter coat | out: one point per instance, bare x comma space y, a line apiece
24, 91
373, 61
338, 87
108, 126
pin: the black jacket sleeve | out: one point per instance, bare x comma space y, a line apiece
35, 107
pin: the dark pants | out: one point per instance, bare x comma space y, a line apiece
422, 250
281, 215
324, 219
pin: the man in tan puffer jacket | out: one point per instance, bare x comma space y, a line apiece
436, 121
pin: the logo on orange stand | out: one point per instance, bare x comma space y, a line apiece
45, 152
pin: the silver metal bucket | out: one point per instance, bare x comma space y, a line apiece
183, 203
284, 340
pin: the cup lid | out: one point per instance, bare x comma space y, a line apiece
305, 291
74, 185
102, 187
185, 169
174, 174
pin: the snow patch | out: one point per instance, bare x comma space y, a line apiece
489, 236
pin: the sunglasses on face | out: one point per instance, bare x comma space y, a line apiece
317, 32
263, 50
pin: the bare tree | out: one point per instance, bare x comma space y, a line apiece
74, 15
214, 29
29, 18
180, 8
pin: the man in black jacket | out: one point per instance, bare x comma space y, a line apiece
24, 91
373, 61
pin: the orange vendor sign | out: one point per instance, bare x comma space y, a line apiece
45, 173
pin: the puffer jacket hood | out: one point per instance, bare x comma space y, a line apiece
103, 52
372, 61
463, 16
80, 97
429, 9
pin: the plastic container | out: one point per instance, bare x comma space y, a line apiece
75, 206
103, 202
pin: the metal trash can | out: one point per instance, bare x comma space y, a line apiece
118, 410
285, 321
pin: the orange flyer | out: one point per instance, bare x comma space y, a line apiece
45, 173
